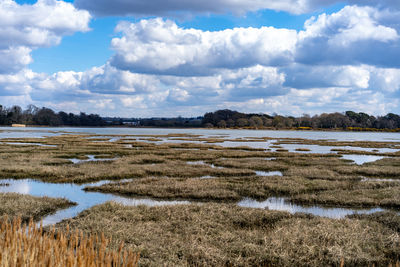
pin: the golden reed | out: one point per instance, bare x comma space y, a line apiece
22, 245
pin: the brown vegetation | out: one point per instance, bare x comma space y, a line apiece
26, 207
220, 235
21, 246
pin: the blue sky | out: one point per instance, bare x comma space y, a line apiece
170, 58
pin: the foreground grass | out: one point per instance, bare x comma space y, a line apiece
220, 234
25, 206
21, 246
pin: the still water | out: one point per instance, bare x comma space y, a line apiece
86, 200
9, 132
73, 193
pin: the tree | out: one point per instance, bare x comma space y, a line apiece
242, 122
221, 124
46, 116
256, 121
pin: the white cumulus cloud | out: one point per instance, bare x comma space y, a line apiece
26, 27
159, 46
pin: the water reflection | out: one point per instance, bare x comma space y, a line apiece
231, 134
361, 159
90, 158
271, 173
74, 193
282, 204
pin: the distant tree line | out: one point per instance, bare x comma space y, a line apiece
33, 115
349, 120
226, 118
178, 122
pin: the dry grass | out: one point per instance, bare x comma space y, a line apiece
327, 242
21, 246
226, 235
380, 195
25, 206
173, 188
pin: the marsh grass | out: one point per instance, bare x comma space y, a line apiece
218, 189
26, 207
316, 174
227, 235
29, 246
380, 195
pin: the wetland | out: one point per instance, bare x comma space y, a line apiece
212, 197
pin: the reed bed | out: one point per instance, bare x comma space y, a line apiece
30, 246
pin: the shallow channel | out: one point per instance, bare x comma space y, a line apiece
73, 192
86, 200
283, 204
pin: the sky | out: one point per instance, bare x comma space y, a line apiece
184, 58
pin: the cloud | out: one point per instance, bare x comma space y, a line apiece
184, 7
27, 27
176, 7
304, 76
351, 36
109, 80
14, 59
338, 62
159, 46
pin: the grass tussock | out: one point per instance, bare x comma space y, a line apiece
328, 242
381, 196
30, 246
227, 235
26, 207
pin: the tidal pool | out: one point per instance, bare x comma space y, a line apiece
85, 200
361, 159
90, 158
271, 173
283, 204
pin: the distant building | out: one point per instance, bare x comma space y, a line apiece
18, 125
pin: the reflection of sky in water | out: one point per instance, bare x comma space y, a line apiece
74, 193
361, 159
272, 173
90, 158
9, 132
87, 200
282, 204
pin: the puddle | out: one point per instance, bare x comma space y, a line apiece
365, 179
272, 173
317, 149
207, 177
199, 162
282, 204
109, 138
90, 158
74, 193
361, 159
